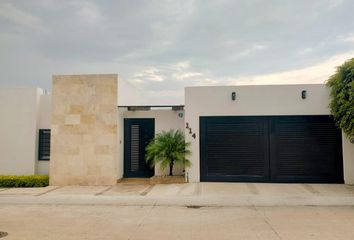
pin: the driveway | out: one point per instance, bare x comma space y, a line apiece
179, 211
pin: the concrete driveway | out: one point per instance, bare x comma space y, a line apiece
179, 211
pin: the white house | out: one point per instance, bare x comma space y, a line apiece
88, 132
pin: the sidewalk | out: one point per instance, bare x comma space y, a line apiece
179, 211
190, 194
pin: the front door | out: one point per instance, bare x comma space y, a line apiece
138, 132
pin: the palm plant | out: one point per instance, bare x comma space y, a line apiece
168, 148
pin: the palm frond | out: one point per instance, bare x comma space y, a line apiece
168, 148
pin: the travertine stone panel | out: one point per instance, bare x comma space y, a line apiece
84, 130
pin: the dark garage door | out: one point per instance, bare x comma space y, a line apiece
270, 149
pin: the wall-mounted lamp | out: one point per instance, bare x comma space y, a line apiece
190, 131
303, 94
193, 135
233, 96
187, 125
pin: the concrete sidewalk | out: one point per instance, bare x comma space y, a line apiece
189, 194
227, 211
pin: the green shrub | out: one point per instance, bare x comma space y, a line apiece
24, 181
168, 148
342, 97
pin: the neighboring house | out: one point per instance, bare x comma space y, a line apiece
23, 111
93, 130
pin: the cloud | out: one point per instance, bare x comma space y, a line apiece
186, 75
182, 65
305, 51
252, 50
348, 38
150, 74
88, 12
163, 46
16, 16
335, 3
317, 73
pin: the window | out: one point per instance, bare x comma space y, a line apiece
44, 144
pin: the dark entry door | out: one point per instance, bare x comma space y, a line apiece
270, 149
138, 133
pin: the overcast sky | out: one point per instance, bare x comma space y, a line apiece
162, 46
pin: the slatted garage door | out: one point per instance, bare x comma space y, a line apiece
270, 149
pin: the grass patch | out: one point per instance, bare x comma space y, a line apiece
24, 181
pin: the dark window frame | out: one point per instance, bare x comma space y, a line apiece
44, 145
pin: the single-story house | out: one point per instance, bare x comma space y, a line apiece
91, 130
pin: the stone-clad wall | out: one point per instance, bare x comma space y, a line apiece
84, 130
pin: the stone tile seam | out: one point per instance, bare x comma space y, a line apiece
147, 190
310, 189
50, 190
104, 190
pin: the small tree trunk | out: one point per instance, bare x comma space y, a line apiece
171, 168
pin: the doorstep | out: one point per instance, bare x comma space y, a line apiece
167, 179
134, 180
153, 180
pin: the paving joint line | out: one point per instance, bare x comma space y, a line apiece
141, 221
198, 189
252, 188
266, 221
104, 190
310, 189
50, 190
181, 189
147, 190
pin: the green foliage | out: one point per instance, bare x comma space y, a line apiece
24, 181
168, 148
342, 97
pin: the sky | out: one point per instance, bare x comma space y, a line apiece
161, 46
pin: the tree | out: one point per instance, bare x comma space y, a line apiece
342, 97
168, 148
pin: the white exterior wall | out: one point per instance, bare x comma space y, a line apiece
165, 120
348, 156
19, 110
255, 101
45, 106
120, 141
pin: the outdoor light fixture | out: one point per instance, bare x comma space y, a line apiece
233, 96
190, 131
303, 94
193, 135
187, 125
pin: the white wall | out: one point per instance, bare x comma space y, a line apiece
164, 121
45, 105
120, 141
19, 110
348, 156
256, 101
